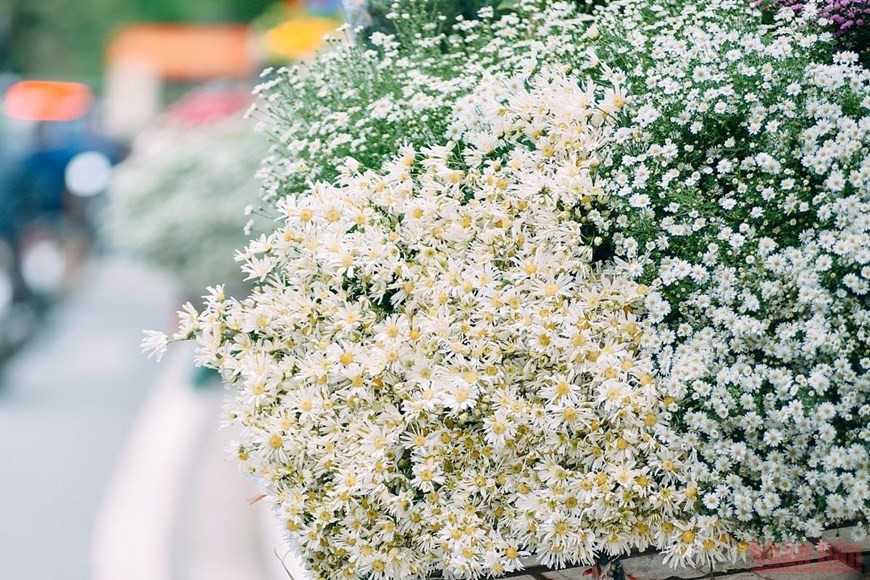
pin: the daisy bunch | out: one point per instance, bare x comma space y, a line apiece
610, 293
367, 100
433, 374
178, 200
743, 176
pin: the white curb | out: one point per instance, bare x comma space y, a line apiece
134, 526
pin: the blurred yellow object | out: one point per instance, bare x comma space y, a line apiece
297, 38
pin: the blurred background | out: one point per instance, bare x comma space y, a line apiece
126, 165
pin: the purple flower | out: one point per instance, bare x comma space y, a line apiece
848, 16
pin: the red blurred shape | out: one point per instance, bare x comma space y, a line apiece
207, 105
47, 101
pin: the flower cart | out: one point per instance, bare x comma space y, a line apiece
558, 284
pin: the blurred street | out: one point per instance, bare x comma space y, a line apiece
123, 133
114, 466
126, 163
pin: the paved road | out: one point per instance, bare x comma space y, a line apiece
67, 402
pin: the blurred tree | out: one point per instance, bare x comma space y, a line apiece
61, 39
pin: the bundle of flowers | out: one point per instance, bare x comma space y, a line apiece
617, 300
746, 180
366, 100
178, 200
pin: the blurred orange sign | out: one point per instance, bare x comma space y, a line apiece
185, 53
47, 100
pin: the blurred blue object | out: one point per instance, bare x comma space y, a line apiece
40, 175
39, 217
323, 7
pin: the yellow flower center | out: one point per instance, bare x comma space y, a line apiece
708, 544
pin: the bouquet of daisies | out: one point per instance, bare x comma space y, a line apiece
556, 285
178, 201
